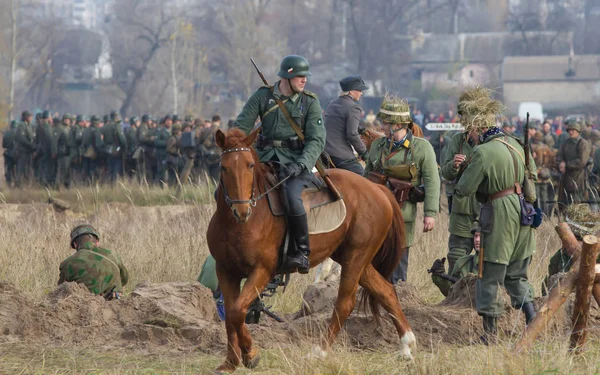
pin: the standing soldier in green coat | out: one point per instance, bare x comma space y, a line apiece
572, 159
92, 141
278, 142
464, 209
99, 269
146, 142
495, 174
60, 149
9, 143
160, 144
76, 148
132, 145
26, 147
115, 146
403, 156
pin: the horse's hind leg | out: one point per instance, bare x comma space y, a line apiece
385, 294
344, 305
255, 284
230, 287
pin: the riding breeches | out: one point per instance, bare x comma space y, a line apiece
292, 190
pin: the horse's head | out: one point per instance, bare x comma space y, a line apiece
238, 163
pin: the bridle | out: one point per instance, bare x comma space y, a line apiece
253, 198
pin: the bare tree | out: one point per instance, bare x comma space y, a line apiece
141, 29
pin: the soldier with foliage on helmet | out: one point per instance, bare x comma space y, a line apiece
408, 164
279, 143
99, 269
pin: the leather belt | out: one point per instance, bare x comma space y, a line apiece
503, 193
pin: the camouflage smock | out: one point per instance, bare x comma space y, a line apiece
95, 267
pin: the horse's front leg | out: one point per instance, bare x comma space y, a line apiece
230, 287
255, 284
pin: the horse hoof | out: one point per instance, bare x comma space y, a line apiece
251, 359
407, 342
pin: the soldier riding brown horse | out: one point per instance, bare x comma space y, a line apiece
245, 240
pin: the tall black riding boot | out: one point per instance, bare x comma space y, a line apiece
529, 311
490, 330
299, 231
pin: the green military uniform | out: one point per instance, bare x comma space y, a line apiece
463, 266
26, 146
76, 149
279, 142
115, 147
9, 143
386, 154
132, 145
575, 152
94, 148
544, 160
496, 167
211, 155
60, 148
174, 155
99, 269
464, 209
160, 144
507, 244
146, 142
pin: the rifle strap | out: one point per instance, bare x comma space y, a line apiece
289, 117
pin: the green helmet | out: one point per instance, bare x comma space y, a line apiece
294, 66
573, 123
80, 230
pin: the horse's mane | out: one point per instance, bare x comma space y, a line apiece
236, 138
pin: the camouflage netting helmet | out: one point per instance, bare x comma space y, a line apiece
582, 221
294, 66
477, 109
394, 110
81, 230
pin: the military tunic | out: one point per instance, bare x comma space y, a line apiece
160, 143
60, 148
575, 152
507, 244
97, 268
26, 146
422, 154
9, 139
276, 127
464, 209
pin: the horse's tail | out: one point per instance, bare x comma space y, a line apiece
388, 256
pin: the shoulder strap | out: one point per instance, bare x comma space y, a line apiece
289, 118
509, 147
513, 148
101, 255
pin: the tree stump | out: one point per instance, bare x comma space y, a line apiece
583, 294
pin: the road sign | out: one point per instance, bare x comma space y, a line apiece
443, 126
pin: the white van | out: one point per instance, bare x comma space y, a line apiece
535, 109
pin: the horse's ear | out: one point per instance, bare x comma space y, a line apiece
220, 138
249, 141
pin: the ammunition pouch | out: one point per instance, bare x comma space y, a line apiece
293, 143
377, 178
402, 190
406, 172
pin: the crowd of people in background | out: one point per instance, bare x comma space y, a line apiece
59, 151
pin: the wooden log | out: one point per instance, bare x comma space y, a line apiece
558, 295
583, 293
569, 241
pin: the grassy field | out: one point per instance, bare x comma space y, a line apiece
161, 244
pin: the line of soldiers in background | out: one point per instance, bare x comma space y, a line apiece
58, 152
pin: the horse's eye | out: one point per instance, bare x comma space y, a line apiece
223, 169
251, 166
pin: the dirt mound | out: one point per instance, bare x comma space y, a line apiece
179, 314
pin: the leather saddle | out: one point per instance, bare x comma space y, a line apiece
312, 197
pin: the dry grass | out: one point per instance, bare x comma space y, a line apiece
161, 244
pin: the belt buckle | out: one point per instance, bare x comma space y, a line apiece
277, 143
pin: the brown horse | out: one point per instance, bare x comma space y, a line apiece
371, 134
245, 238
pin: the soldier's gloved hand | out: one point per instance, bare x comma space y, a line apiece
438, 266
294, 169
